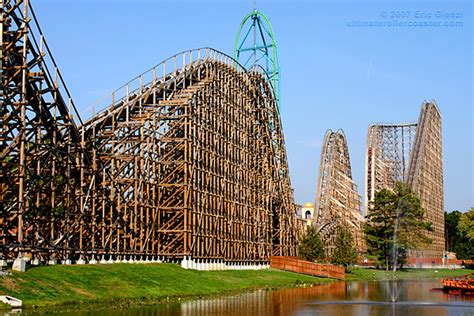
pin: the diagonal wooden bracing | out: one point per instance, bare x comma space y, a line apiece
187, 159
413, 154
337, 201
388, 156
195, 153
39, 144
425, 175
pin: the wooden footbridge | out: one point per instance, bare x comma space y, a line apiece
298, 265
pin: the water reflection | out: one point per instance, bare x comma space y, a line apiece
352, 298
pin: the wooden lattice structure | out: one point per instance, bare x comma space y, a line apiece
413, 154
338, 203
186, 160
39, 142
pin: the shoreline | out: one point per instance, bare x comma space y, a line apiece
52, 287
59, 288
372, 274
148, 302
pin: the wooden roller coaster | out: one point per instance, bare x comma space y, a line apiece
411, 153
186, 160
337, 203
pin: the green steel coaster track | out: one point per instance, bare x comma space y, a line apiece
259, 49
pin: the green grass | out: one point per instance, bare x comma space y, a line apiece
126, 284
48, 286
373, 274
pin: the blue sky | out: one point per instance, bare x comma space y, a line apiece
333, 74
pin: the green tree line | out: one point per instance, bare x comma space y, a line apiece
459, 233
395, 224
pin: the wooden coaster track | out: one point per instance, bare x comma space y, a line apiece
186, 160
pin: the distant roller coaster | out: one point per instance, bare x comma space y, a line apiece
338, 205
411, 153
180, 164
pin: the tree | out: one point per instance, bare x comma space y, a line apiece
345, 253
457, 233
464, 248
395, 224
466, 224
378, 228
311, 247
451, 221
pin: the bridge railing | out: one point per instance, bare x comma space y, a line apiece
170, 67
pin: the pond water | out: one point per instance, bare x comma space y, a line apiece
414, 297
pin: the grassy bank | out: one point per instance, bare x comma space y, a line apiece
125, 283
413, 274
